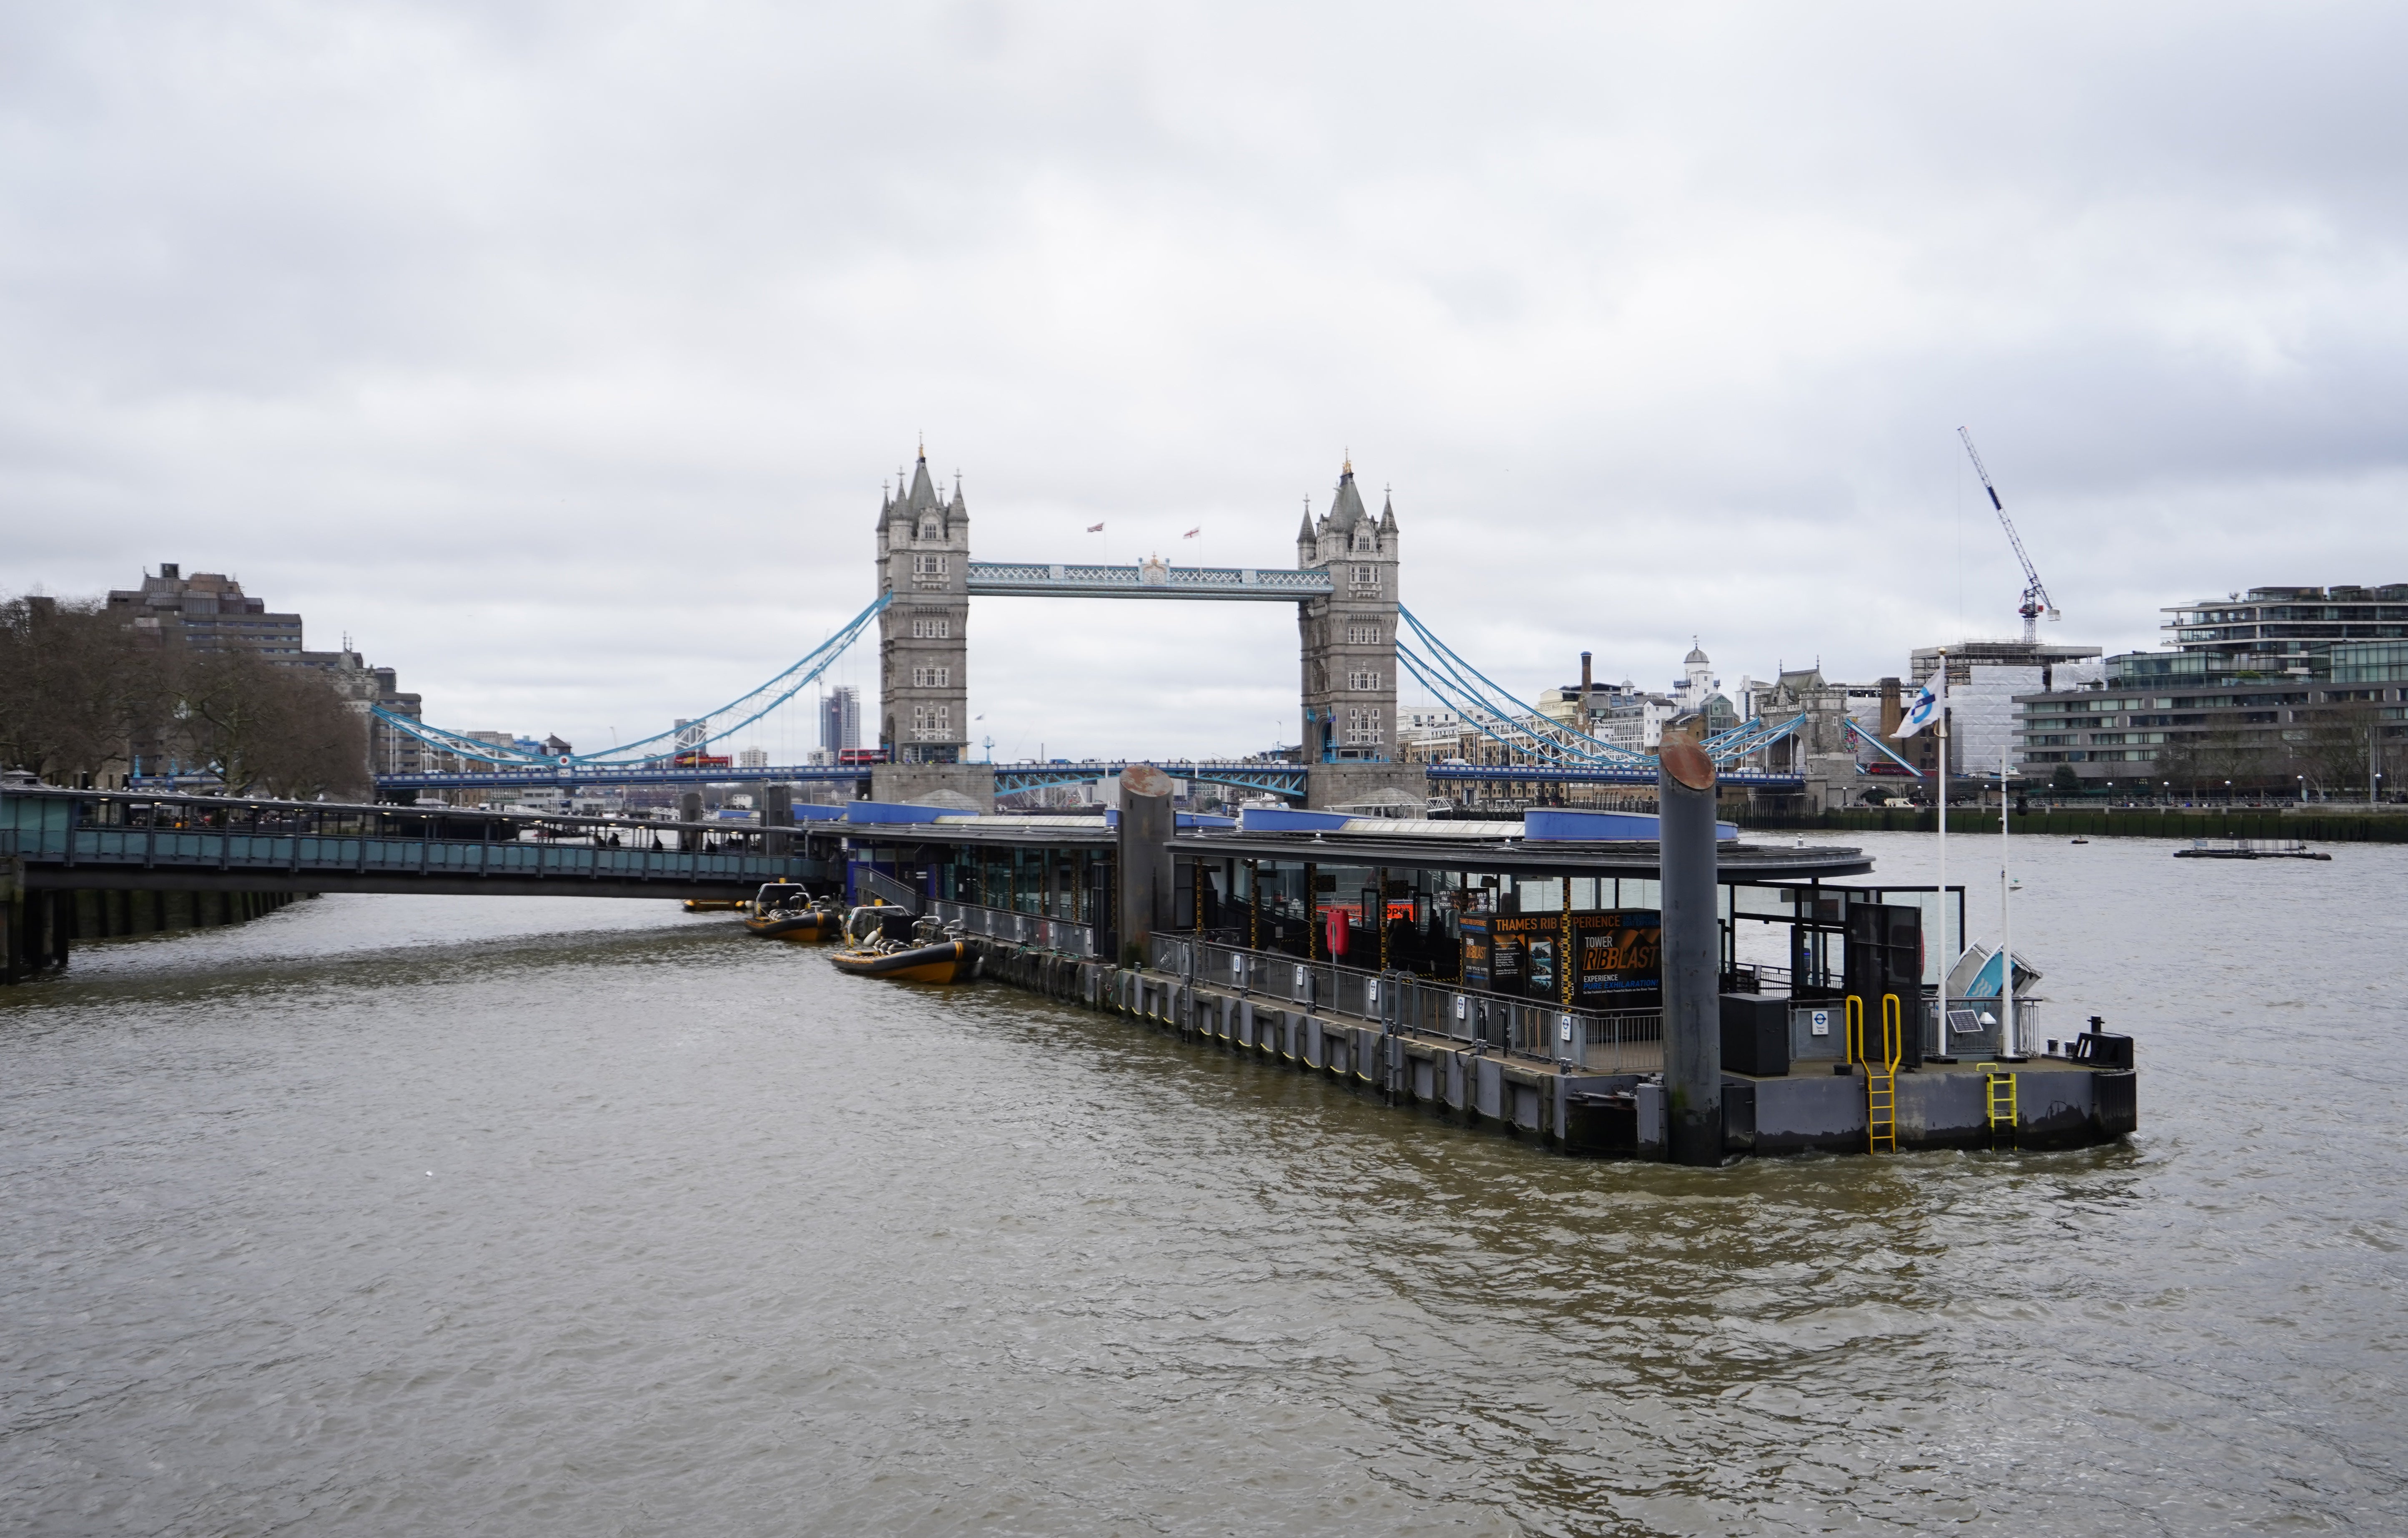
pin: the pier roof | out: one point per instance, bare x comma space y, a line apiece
1398, 845
1746, 862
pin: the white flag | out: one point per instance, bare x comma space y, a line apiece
1928, 704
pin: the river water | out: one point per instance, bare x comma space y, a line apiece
426, 1215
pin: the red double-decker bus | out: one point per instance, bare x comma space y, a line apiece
849, 756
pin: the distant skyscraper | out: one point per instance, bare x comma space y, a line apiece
840, 718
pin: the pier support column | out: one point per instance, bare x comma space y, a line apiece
777, 811
13, 920
1693, 1048
1146, 820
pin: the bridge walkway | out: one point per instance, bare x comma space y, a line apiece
65, 840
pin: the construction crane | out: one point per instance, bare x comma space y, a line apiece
2035, 602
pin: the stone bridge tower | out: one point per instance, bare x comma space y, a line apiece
923, 558
1350, 638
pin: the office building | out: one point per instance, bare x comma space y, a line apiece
2286, 690
840, 719
208, 611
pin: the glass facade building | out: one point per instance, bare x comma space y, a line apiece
2299, 690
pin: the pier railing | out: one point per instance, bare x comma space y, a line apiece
868, 882
1599, 1040
1035, 929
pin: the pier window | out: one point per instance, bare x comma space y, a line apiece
932, 627
1363, 678
1362, 635
932, 678
929, 565
1362, 727
1365, 577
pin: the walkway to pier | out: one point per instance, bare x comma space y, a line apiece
71, 840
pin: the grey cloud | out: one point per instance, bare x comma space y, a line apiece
557, 352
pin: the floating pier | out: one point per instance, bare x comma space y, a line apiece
1560, 978
1394, 1053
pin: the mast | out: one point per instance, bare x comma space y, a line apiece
1947, 956
2006, 930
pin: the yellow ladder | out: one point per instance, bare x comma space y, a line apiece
2002, 1108
1881, 1073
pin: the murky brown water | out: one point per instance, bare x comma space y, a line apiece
394, 1214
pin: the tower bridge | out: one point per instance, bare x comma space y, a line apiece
1356, 639
1344, 586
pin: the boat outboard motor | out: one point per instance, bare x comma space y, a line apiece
864, 924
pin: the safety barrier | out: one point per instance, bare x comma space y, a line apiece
1031, 929
1611, 1041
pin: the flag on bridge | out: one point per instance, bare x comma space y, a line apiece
1928, 704
1095, 529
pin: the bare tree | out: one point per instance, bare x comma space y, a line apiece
2339, 747
77, 684
284, 731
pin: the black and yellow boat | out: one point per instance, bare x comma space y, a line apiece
784, 911
929, 956
715, 905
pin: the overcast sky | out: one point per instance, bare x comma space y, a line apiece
556, 352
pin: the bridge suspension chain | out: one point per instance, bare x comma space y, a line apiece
736, 714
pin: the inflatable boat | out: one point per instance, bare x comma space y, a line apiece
929, 955
783, 911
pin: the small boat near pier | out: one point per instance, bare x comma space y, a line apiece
926, 950
787, 910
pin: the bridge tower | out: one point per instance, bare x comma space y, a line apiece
923, 558
1350, 645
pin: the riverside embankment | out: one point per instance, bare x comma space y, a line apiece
2134, 822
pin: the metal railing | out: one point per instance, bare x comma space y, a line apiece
1599, 1040
304, 840
868, 882
1032, 930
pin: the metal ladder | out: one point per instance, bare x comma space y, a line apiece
1880, 1073
2001, 1101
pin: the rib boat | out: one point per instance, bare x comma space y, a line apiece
784, 911
931, 954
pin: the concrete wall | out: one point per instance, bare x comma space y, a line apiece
1336, 785
909, 782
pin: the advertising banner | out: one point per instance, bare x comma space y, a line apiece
1615, 957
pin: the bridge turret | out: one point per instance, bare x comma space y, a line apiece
1350, 638
924, 635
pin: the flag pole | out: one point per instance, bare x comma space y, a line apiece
2006, 927
1947, 956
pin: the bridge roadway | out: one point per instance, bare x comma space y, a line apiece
1272, 778
78, 839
